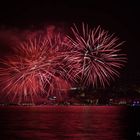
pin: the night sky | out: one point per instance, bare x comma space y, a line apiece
119, 17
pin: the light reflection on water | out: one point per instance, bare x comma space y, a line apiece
64, 122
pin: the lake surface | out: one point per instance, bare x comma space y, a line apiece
69, 123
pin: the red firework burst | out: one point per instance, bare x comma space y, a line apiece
34, 69
98, 53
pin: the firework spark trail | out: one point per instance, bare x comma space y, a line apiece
98, 53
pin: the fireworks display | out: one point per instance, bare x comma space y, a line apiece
51, 63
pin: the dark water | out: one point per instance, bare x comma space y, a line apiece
69, 123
